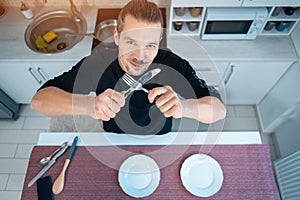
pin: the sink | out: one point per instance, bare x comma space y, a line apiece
62, 23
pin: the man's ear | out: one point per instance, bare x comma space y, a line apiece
116, 37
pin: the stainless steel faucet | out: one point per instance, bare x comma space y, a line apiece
75, 12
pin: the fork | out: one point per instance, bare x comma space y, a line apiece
132, 82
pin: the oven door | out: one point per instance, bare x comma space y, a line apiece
226, 29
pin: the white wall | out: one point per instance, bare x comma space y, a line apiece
284, 94
282, 106
296, 37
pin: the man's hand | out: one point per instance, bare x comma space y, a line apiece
167, 101
108, 104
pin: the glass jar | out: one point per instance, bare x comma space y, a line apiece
195, 11
179, 11
177, 25
192, 26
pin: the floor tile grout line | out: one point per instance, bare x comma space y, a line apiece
13, 190
23, 123
29, 143
12, 173
13, 158
16, 150
6, 185
234, 111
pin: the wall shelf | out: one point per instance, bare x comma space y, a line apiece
185, 17
281, 23
289, 22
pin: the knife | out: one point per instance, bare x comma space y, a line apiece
43, 171
142, 80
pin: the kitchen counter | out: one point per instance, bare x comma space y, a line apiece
264, 48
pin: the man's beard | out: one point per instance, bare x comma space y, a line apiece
127, 62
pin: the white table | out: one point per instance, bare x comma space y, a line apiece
172, 138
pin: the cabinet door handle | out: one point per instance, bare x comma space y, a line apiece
40, 71
229, 74
34, 76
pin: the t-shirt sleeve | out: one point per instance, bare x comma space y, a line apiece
66, 81
187, 72
199, 86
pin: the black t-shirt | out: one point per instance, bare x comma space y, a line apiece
101, 71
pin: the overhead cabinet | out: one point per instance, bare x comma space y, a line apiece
188, 17
281, 20
270, 3
186, 20
208, 3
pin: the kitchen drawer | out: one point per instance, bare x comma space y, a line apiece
211, 72
20, 81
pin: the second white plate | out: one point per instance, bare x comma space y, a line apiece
139, 176
201, 175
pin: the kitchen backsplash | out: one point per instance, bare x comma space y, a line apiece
102, 3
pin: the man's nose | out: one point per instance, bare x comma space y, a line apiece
139, 54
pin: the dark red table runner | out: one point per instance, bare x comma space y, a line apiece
247, 171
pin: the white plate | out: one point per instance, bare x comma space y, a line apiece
201, 175
139, 176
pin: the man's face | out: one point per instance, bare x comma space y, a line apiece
138, 45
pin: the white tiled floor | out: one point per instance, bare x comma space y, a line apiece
17, 139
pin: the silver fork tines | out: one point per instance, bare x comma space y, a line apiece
128, 79
134, 85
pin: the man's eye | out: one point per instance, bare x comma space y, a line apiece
151, 46
130, 42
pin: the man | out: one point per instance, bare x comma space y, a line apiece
176, 92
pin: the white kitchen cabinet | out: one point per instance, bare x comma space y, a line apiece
281, 22
278, 22
247, 82
258, 3
191, 24
183, 21
21, 80
209, 3
241, 82
211, 72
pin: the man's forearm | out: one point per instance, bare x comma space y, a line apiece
52, 101
206, 109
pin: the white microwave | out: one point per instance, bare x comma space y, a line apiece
233, 23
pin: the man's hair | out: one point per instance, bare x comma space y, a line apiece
142, 10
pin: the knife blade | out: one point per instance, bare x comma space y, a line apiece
142, 80
48, 166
